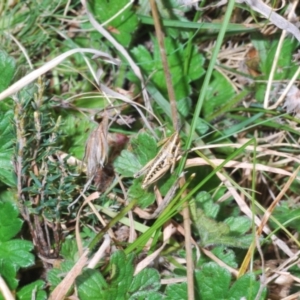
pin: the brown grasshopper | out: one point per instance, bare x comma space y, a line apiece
162, 162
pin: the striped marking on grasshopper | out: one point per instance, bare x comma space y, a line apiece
162, 162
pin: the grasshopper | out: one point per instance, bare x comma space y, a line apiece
162, 162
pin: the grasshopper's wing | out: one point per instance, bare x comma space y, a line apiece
144, 169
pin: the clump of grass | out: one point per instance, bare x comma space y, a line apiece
77, 138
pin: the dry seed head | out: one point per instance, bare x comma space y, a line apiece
96, 150
292, 103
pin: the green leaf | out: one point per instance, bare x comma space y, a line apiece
287, 215
144, 57
7, 172
201, 126
127, 164
218, 233
76, 130
69, 250
36, 180
122, 271
124, 25
177, 56
150, 295
172, 15
220, 90
213, 282
239, 224
144, 147
55, 275
184, 106
17, 252
196, 69
246, 287
9, 272
13, 253
121, 267
32, 291
10, 224
285, 67
209, 230
6, 129
144, 197
205, 201
225, 255
122, 284
91, 285
7, 70
176, 291
147, 280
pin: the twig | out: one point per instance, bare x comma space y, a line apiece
274, 65
160, 39
7, 294
175, 119
122, 50
264, 221
274, 17
14, 88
